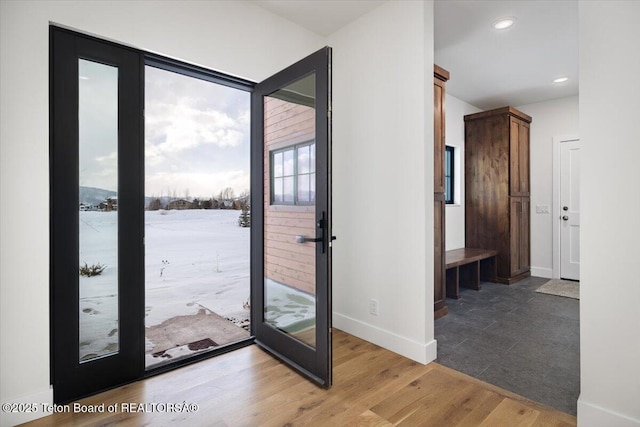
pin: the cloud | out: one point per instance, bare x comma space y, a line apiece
181, 127
109, 159
196, 135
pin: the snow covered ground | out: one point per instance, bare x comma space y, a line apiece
195, 259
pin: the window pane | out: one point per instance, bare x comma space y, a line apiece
98, 233
277, 165
448, 173
288, 163
312, 187
312, 158
277, 190
197, 247
289, 276
303, 159
303, 188
288, 190
447, 162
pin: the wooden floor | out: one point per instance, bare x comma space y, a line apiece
372, 387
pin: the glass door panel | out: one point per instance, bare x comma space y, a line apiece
98, 196
197, 219
289, 210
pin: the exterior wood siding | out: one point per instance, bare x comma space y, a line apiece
285, 261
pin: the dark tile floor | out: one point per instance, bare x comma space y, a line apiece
517, 339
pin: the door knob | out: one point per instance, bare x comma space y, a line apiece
565, 208
566, 218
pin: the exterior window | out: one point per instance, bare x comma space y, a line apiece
293, 175
448, 175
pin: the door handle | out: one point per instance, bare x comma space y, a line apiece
304, 239
321, 224
565, 218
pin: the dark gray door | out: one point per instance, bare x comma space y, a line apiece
291, 216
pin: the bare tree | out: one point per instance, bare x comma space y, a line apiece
225, 198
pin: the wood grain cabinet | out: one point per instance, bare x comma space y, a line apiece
497, 205
439, 285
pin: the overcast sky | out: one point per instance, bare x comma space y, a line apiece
98, 124
196, 133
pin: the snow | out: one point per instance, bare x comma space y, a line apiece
288, 308
194, 259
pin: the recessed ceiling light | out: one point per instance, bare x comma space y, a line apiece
561, 79
503, 23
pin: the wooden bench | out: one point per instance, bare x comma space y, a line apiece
467, 267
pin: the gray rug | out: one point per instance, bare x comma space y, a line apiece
561, 288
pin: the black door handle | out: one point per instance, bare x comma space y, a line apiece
321, 224
303, 239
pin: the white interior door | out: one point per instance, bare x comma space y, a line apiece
570, 210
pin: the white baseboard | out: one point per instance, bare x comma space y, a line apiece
422, 353
36, 401
547, 273
590, 415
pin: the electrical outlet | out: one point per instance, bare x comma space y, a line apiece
373, 306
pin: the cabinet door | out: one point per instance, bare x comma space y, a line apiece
439, 287
438, 140
524, 236
519, 252
515, 252
518, 158
523, 158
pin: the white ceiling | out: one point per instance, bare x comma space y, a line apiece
320, 16
489, 68
516, 66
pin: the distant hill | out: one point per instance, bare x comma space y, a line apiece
93, 196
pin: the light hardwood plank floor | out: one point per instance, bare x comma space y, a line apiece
372, 387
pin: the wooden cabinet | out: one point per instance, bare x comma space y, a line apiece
439, 282
497, 206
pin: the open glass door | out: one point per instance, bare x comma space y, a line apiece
291, 216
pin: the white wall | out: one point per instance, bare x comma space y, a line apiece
558, 117
235, 37
456, 109
610, 283
383, 177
